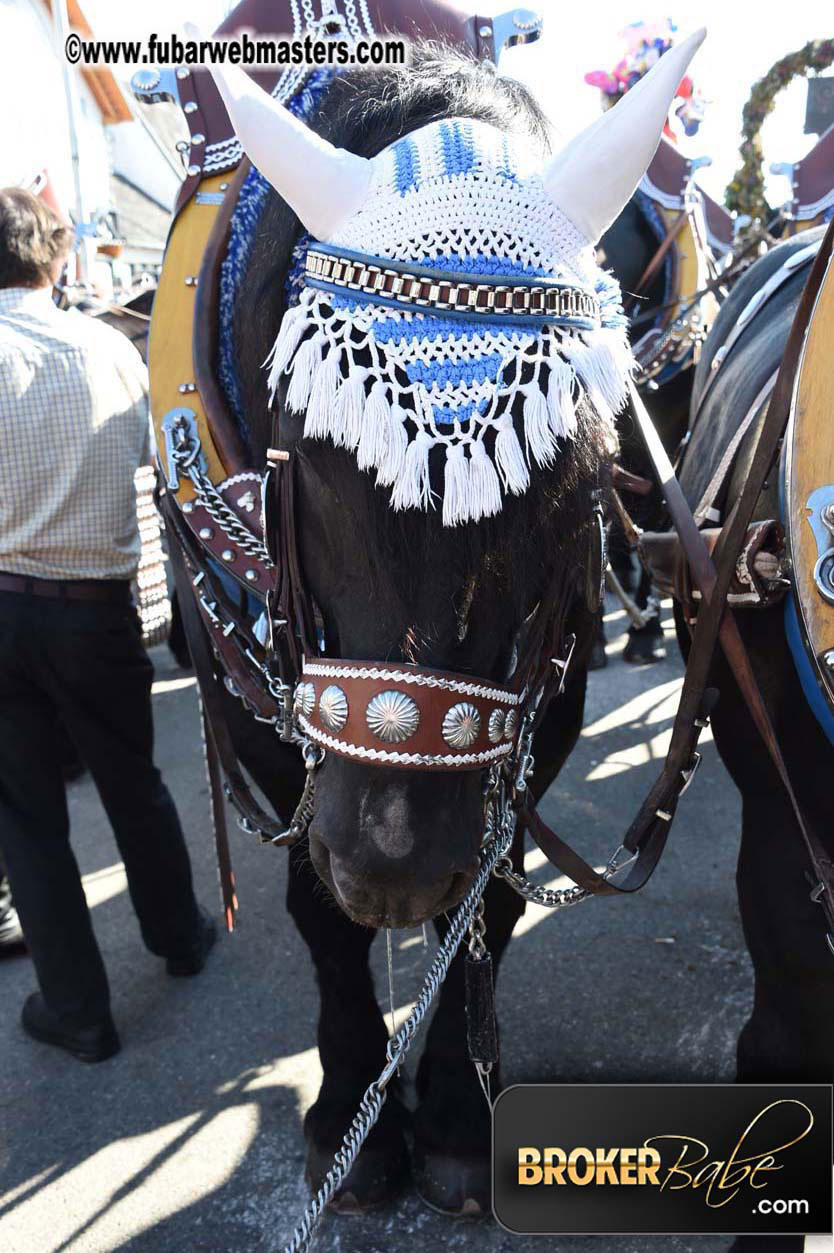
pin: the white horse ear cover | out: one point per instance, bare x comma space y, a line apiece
471, 202
323, 185
595, 175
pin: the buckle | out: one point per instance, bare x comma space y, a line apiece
613, 867
689, 773
562, 664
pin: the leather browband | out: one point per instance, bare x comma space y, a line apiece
404, 715
453, 294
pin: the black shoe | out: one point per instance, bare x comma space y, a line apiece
192, 962
11, 933
88, 1044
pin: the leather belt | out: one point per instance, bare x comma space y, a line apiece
111, 591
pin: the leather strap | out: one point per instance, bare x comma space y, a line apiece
236, 787
660, 255
776, 281
404, 715
707, 501
221, 829
647, 835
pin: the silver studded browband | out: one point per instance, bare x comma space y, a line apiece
457, 295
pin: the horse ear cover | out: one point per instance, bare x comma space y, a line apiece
322, 184
595, 175
591, 179
392, 385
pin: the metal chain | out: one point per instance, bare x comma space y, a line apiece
477, 934
225, 517
559, 898
185, 448
477, 952
501, 823
549, 897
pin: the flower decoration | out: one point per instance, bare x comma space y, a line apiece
645, 43
745, 192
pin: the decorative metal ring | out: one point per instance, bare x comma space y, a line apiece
461, 725
510, 724
392, 716
333, 707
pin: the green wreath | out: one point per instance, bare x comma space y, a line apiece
745, 193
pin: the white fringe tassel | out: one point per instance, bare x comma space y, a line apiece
511, 464
538, 434
305, 364
560, 404
376, 421
457, 487
412, 489
603, 362
390, 467
293, 326
348, 405
484, 484
319, 418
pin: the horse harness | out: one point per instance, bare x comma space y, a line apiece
253, 628
675, 209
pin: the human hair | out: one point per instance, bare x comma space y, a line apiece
32, 239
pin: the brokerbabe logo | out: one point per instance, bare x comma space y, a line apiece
633, 1159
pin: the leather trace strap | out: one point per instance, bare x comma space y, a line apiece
660, 253
645, 838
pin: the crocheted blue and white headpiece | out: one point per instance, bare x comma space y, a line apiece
449, 276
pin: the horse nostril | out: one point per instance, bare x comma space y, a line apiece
457, 889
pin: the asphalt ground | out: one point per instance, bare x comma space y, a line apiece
190, 1139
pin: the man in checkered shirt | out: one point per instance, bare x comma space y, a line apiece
73, 430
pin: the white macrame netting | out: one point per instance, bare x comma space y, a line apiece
391, 384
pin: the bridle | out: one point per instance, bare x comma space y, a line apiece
233, 534
240, 535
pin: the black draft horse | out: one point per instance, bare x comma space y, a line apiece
462, 595
459, 597
790, 1032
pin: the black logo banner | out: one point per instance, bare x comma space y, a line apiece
652, 1159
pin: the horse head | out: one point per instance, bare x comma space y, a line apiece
445, 469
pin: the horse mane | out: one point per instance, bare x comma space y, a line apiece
365, 112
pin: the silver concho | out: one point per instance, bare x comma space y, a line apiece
392, 716
461, 725
495, 726
333, 707
304, 701
510, 724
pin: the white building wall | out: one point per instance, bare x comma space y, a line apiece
136, 157
33, 107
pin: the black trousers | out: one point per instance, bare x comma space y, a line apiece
84, 661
